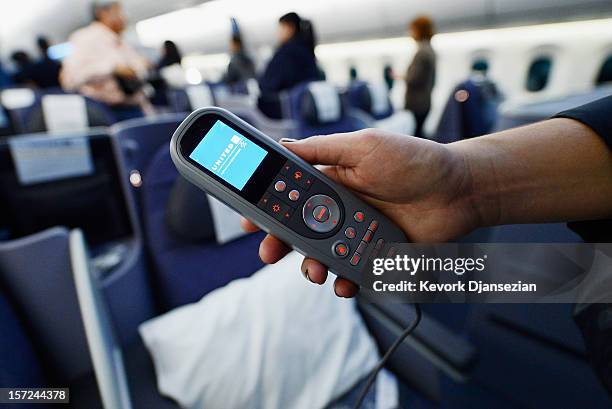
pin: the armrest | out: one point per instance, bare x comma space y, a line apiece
452, 354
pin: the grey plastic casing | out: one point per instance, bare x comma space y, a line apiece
317, 248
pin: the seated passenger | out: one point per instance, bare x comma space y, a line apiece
293, 62
5, 79
23, 64
44, 73
240, 67
103, 67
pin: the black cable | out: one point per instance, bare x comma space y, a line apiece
387, 355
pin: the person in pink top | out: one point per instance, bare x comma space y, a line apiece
102, 66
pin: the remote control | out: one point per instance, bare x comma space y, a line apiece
281, 193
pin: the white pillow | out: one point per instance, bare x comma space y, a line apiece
270, 341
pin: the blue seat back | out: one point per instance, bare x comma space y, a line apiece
19, 365
36, 273
187, 269
320, 116
372, 99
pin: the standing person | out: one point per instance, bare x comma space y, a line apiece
45, 72
421, 73
293, 62
103, 67
240, 67
170, 55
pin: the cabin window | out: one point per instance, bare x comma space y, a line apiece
605, 72
538, 74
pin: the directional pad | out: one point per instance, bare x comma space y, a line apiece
321, 213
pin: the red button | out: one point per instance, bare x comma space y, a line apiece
359, 217
355, 259
320, 213
341, 249
367, 237
297, 175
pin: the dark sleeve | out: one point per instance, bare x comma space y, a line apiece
597, 115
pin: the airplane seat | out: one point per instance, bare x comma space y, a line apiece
18, 102
317, 109
67, 112
19, 364
191, 97
35, 271
187, 259
470, 111
514, 115
6, 123
370, 98
139, 139
373, 99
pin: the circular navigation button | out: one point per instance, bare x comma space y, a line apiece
294, 195
280, 186
320, 213
359, 217
341, 249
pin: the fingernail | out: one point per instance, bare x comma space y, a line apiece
306, 275
287, 140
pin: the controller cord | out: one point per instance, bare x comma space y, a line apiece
387, 355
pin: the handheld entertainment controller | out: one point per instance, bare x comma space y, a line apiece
281, 193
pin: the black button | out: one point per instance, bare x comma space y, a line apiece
263, 202
379, 244
362, 247
286, 169
355, 259
359, 217
280, 210
325, 220
373, 225
341, 249
392, 252
350, 233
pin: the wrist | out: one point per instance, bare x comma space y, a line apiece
481, 193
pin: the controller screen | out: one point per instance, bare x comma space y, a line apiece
228, 154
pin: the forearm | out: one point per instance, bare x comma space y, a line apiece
557, 170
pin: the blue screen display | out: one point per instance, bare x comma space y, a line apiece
228, 154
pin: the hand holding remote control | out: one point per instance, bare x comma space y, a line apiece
418, 184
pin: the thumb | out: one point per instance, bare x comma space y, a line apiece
342, 149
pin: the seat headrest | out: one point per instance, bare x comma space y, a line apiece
188, 214
17, 98
379, 98
321, 104
64, 113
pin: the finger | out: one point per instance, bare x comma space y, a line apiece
272, 249
344, 149
345, 288
248, 225
314, 271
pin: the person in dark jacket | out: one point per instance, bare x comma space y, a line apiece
45, 72
293, 62
240, 67
23, 64
421, 73
170, 55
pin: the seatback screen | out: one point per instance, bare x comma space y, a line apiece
228, 154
